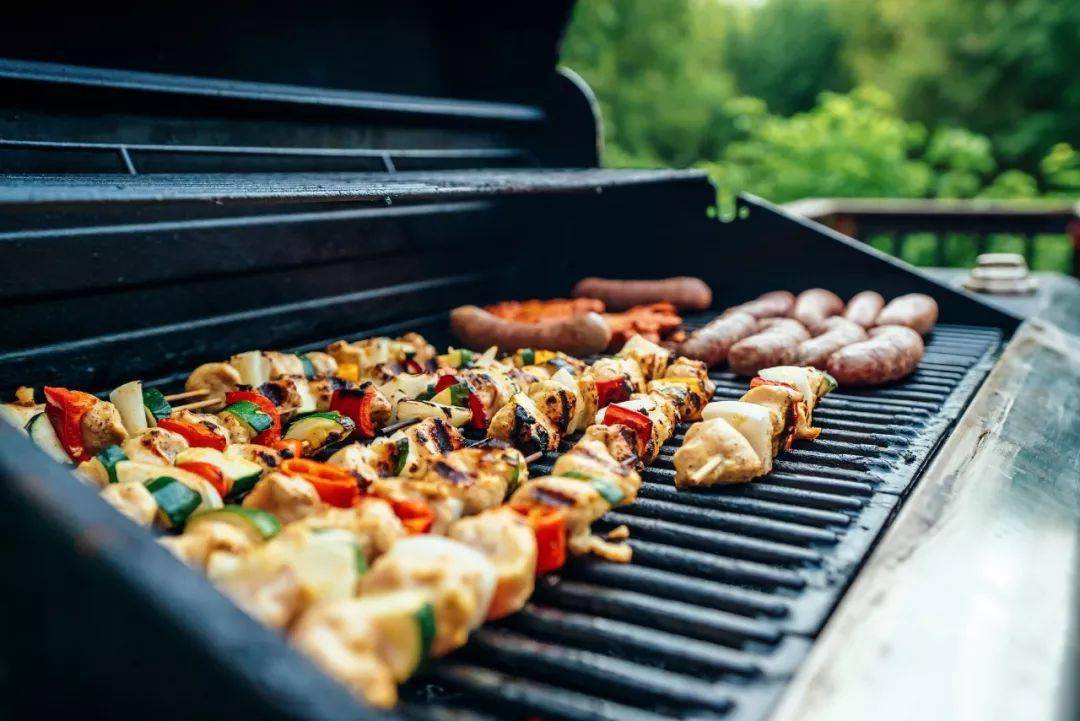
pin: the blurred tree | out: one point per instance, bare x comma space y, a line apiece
787, 52
1004, 68
657, 69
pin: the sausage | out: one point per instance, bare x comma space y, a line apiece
684, 292
581, 335
711, 342
839, 332
915, 310
777, 303
813, 306
864, 307
892, 352
777, 345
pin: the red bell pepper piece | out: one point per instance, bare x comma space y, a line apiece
634, 420
65, 410
356, 403
197, 436
335, 486
294, 447
479, 419
549, 526
416, 516
211, 473
413, 366
444, 382
611, 391
272, 434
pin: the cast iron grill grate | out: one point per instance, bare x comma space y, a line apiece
728, 586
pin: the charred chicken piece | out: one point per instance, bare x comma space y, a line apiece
506, 539
525, 426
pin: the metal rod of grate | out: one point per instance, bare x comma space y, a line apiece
728, 586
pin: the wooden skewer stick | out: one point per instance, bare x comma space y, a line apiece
198, 393
196, 405
534, 457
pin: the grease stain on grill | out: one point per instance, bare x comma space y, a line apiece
728, 586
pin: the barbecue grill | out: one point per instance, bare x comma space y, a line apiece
361, 172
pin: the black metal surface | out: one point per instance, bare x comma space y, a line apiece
728, 586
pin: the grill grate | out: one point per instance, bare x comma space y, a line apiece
728, 586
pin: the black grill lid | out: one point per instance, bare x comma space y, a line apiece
480, 50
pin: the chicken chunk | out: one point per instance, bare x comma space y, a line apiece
651, 358
579, 500
323, 364
508, 541
372, 522
522, 424
683, 367
480, 477
155, 446
460, 580
557, 402
590, 459
215, 378
195, 545
288, 498
204, 420
686, 394
133, 500
714, 452
342, 641
102, 427
283, 364
264, 456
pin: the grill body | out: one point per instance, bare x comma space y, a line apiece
153, 218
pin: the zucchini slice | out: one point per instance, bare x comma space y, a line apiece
309, 367
108, 458
321, 428
41, 431
405, 621
258, 525
128, 400
455, 416
606, 488
250, 414
155, 405
175, 500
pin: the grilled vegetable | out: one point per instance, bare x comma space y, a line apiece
128, 399
258, 525
258, 412
41, 431
455, 416
109, 458
356, 404
405, 622
65, 410
239, 474
253, 366
334, 485
175, 501
197, 436
250, 414
319, 429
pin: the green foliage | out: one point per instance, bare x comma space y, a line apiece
786, 53
1003, 68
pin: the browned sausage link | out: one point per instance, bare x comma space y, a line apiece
777, 345
579, 335
711, 342
915, 310
839, 332
863, 308
892, 352
684, 292
813, 306
776, 303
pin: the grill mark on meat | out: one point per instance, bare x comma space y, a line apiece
452, 474
442, 437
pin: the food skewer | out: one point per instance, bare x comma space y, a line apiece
245, 548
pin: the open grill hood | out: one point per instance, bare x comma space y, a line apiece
166, 204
